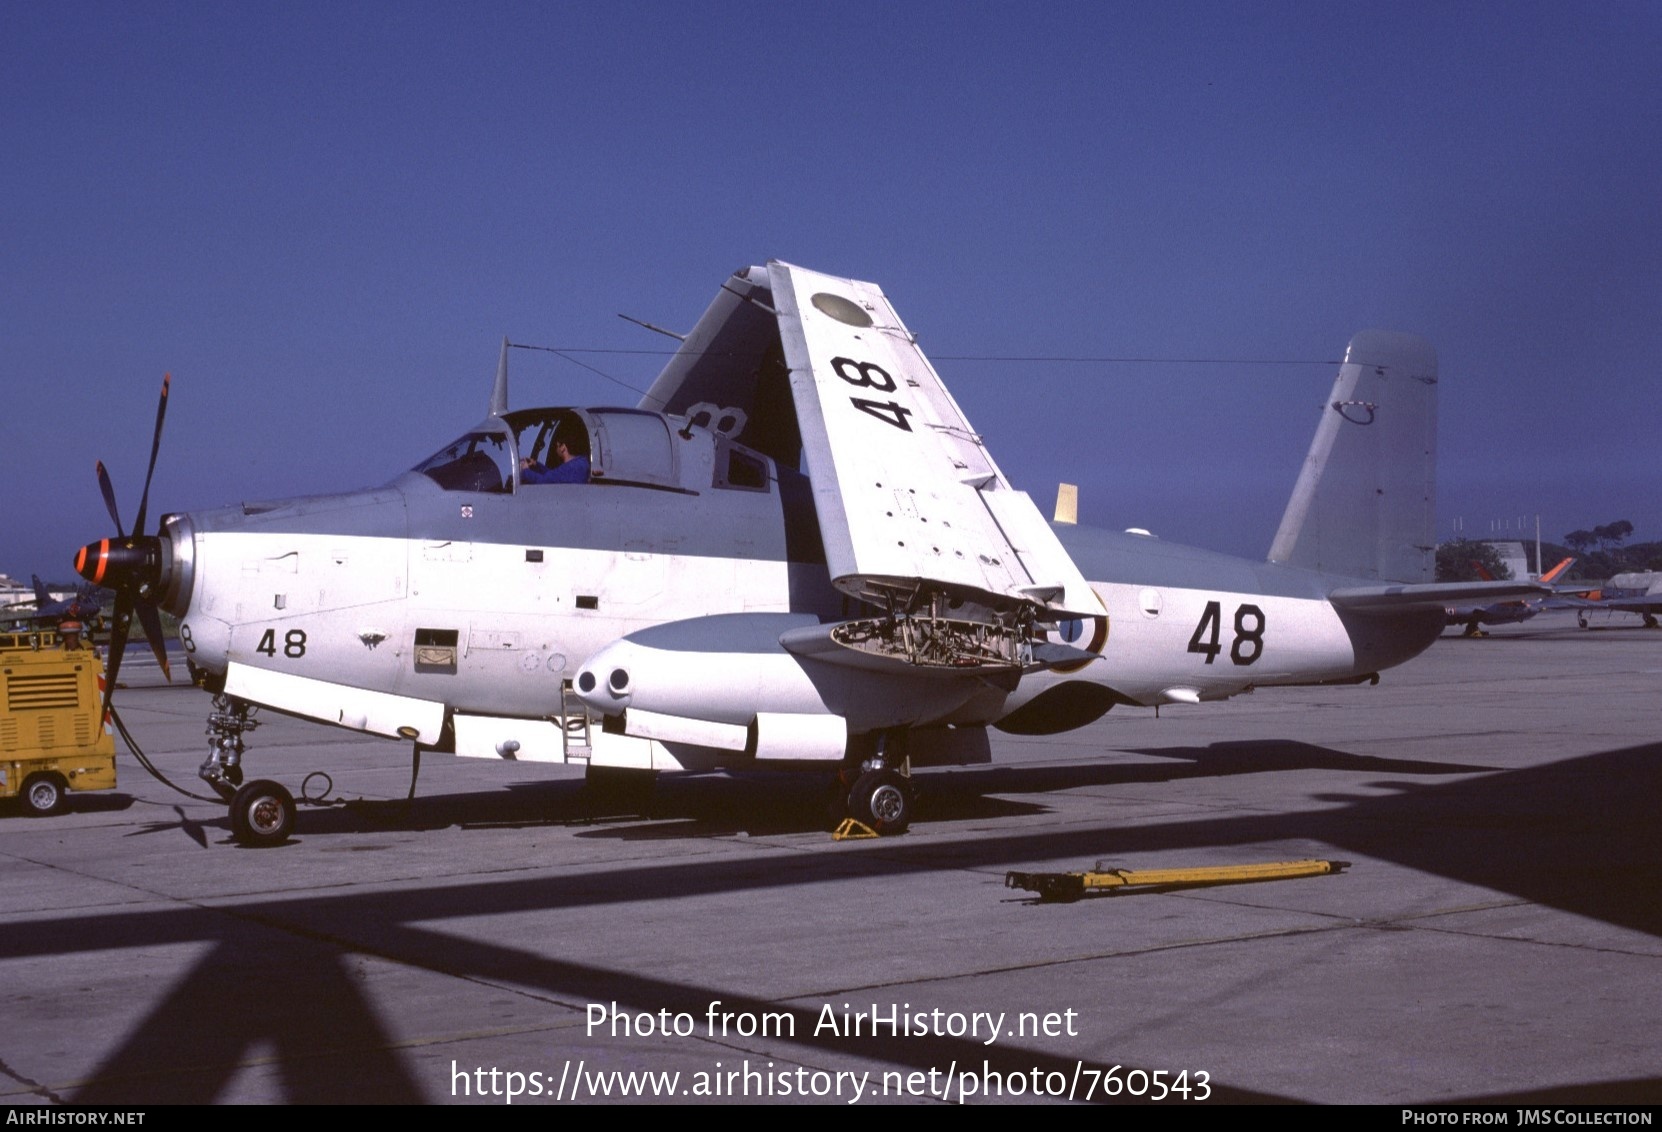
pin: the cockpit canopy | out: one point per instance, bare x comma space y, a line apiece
629, 446
480, 460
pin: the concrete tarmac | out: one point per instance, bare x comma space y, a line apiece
1497, 935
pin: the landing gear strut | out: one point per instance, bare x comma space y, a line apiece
228, 721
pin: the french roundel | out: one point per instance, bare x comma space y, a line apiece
1072, 632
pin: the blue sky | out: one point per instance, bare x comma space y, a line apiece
322, 219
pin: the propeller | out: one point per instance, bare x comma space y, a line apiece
131, 565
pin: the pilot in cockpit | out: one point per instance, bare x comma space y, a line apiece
571, 447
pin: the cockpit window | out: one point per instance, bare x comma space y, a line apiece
477, 461
594, 446
553, 447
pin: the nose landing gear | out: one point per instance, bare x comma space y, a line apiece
262, 812
230, 719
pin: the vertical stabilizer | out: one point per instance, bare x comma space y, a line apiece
1366, 499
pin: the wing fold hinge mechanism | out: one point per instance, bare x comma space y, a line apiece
927, 641
925, 630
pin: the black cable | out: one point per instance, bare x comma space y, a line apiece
144, 761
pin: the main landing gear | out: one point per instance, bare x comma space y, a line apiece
883, 800
262, 811
877, 791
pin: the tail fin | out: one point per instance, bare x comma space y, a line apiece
42, 598
1557, 571
1366, 500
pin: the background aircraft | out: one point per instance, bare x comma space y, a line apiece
795, 552
1644, 600
1474, 617
82, 606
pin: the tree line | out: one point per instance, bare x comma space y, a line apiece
1600, 553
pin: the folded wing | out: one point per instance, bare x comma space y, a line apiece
910, 503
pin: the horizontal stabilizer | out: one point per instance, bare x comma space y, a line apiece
1432, 594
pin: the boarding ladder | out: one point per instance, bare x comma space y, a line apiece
575, 725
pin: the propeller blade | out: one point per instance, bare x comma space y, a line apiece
155, 446
152, 623
118, 645
108, 489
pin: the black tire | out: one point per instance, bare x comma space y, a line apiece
882, 799
43, 793
262, 814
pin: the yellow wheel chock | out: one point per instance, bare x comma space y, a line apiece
852, 830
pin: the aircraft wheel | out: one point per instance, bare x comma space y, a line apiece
883, 800
43, 793
262, 814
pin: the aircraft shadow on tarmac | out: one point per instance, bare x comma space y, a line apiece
1578, 835
690, 806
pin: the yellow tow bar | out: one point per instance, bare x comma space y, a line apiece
1071, 886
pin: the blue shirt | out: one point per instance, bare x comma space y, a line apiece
574, 470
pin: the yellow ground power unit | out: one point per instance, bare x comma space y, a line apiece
51, 738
